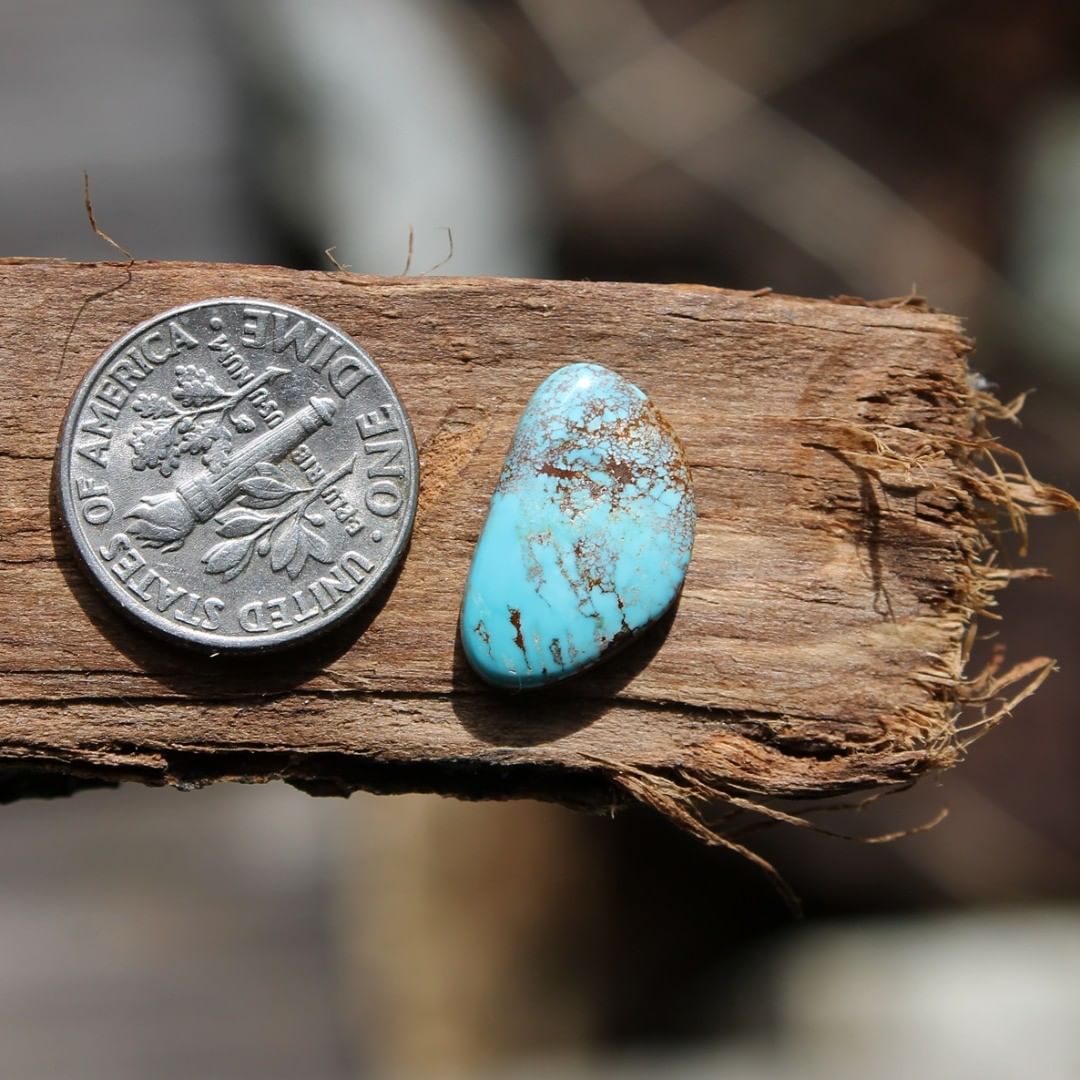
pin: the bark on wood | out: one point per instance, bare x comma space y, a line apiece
847, 494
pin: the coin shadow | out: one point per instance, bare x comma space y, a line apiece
546, 714
195, 672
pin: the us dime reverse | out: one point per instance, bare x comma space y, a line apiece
237, 474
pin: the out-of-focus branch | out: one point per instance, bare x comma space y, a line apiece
661, 93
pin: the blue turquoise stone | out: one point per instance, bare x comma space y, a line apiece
588, 536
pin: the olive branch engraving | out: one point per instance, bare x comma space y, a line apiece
289, 537
200, 420
249, 475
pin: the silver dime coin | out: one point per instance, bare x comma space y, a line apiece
237, 474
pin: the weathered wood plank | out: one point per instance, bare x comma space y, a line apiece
820, 642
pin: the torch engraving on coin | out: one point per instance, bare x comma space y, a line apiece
237, 474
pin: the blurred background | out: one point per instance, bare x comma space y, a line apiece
814, 146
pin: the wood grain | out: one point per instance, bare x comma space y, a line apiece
846, 502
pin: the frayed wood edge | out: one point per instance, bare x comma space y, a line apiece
691, 801
701, 800
676, 799
978, 702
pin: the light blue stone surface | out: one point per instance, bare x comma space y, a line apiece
588, 536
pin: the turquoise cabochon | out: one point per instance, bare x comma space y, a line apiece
588, 536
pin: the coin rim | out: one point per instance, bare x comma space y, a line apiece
157, 624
